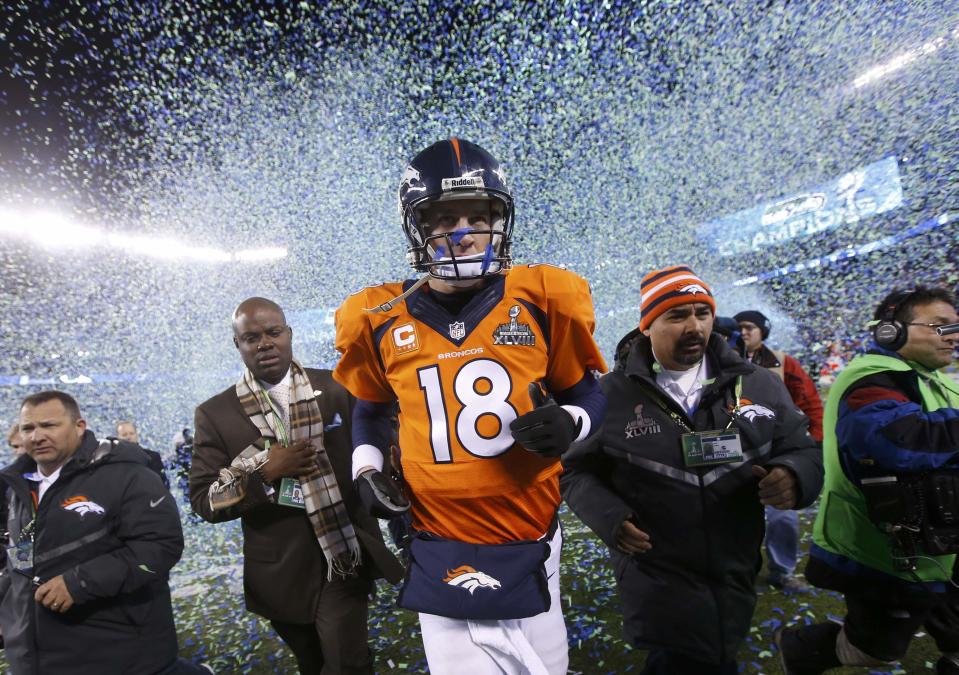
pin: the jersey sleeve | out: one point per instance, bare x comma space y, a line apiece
360, 368
569, 308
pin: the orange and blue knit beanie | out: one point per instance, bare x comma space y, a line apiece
669, 287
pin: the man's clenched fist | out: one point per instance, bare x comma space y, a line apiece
548, 429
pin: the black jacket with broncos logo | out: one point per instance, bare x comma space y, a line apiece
111, 528
692, 593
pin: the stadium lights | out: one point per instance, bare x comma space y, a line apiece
54, 230
902, 60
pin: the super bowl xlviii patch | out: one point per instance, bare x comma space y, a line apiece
641, 425
514, 333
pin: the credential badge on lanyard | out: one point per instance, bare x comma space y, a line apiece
715, 447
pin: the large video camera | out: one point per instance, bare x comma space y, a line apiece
919, 512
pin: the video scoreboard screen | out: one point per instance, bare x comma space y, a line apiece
859, 194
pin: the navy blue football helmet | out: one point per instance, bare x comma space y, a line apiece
448, 170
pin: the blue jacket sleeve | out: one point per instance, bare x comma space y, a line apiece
880, 425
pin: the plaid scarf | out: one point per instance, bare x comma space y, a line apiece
324, 503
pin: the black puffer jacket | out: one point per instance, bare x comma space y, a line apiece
113, 531
693, 592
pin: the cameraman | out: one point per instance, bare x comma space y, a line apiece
891, 415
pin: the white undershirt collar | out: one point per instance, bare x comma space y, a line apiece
683, 386
44, 481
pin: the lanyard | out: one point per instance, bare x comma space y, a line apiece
739, 399
933, 378
26, 534
658, 399
28, 531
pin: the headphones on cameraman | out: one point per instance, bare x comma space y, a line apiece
887, 331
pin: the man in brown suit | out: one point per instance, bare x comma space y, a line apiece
313, 591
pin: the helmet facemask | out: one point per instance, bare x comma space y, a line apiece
436, 253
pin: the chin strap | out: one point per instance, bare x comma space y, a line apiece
388, 305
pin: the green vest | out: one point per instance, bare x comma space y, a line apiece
842, 526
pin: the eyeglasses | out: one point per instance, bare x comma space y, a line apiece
934, 326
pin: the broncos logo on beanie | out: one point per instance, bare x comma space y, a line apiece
670, 287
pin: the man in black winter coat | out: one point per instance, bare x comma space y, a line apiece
696, 441
93, 535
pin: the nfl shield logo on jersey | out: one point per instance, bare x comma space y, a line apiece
457, 330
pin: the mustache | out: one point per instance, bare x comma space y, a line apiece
691, 341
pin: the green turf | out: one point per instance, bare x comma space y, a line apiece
592, 614
214, 627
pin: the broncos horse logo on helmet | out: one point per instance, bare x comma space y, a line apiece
447, 170
469, 578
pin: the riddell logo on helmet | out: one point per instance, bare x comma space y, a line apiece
475, 182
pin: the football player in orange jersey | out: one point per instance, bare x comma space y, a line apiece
494, 368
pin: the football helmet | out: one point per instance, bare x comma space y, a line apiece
448, 170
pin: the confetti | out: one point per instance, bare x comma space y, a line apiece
625, 128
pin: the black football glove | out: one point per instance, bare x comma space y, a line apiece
380, 495
547, 430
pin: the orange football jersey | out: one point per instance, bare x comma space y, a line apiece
460, 381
